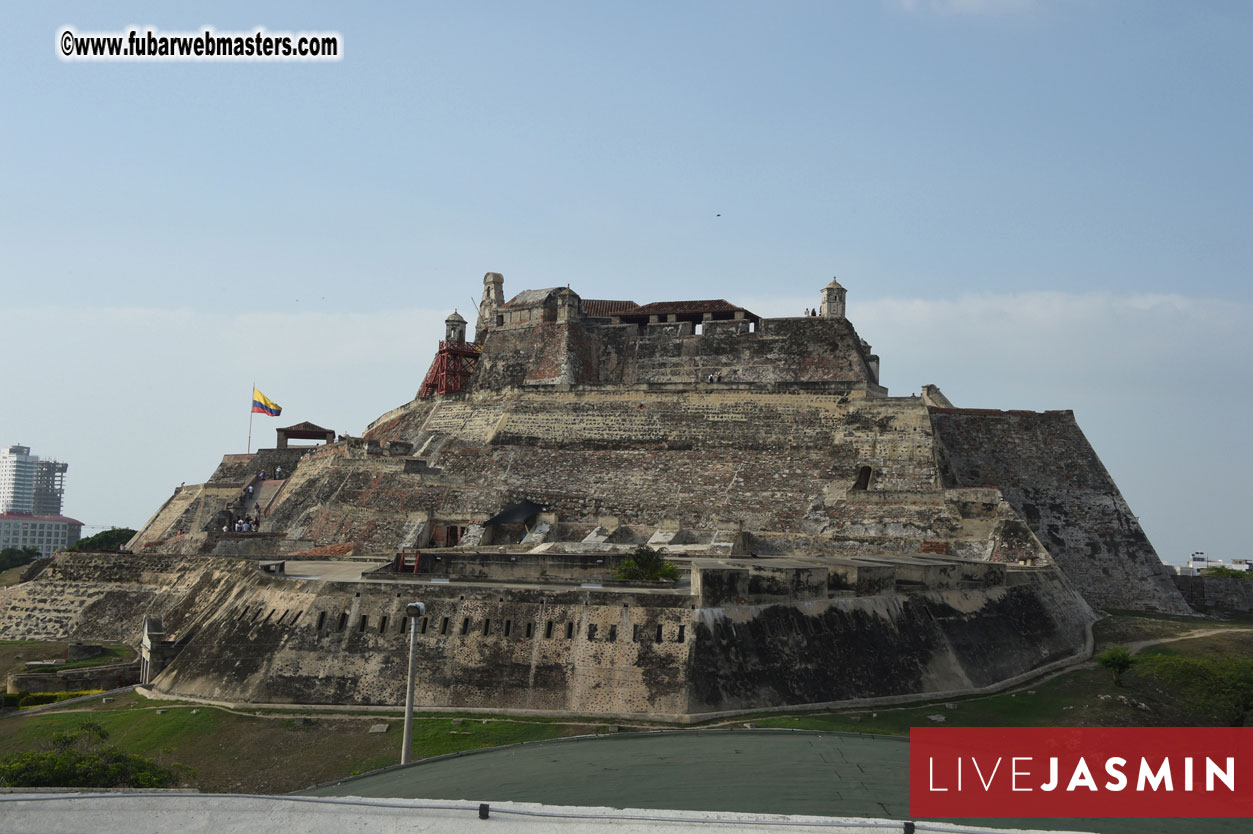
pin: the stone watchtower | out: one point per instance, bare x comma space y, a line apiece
833, 300
493, 300
455, 328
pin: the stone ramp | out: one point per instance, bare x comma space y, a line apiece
165, 517
265, 493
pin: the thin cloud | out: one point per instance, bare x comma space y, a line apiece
966, 7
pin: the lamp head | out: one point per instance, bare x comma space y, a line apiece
415, 609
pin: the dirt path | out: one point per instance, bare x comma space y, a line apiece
1135, 647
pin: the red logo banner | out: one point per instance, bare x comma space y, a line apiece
1081, 772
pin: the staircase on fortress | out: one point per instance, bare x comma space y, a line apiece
264, 494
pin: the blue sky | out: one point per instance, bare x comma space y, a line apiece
1033, 205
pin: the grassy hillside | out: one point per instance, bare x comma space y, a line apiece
269, 752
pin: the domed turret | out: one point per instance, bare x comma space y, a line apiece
833, 300
455, 328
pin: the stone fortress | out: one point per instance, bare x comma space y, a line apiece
835, 544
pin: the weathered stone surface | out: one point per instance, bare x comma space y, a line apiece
1045, 468
833, 543
1222, 592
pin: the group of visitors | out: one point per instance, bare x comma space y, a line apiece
811, 312
714, 378
278, 474
247, 524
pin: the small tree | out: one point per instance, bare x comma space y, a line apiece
648, 565
1117, 659
12, 557
107, 542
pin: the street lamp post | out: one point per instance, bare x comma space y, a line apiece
413, 611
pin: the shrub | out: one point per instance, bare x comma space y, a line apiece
647, 565
36, 699
1227, 573
77, 760
107, 542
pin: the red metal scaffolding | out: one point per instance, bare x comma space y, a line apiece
451, 369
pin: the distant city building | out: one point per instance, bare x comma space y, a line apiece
46, 533
30, 485
1198, 562
17, 480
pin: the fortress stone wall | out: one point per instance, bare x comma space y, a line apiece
1048, 472
821, 350
744, 636
833, 543
1221, 592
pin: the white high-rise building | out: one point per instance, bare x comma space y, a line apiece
28, 484
17, 480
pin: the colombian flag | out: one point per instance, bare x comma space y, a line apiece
261, 404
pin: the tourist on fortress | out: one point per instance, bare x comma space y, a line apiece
278, 473
250, 490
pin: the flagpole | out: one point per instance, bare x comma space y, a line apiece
250, 413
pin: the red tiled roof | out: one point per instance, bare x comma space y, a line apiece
26, 517
306, 426
713, 305
605, 307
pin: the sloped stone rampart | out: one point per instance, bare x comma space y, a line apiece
103, 597
1045, 468
596, 652
880, 646
249, 636
167, 517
